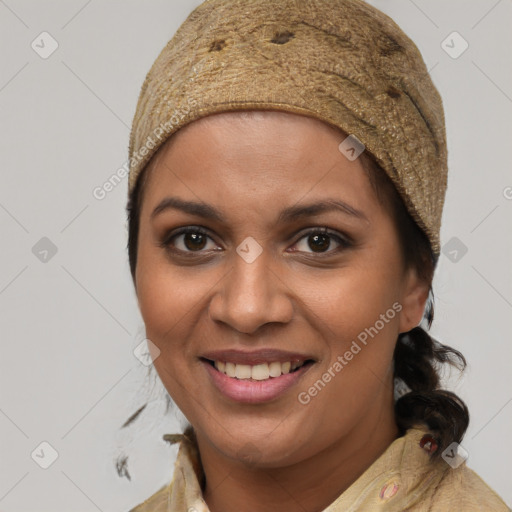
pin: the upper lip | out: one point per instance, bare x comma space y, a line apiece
254, 357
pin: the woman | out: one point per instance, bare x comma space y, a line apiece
288, 170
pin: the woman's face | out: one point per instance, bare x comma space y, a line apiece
261, 286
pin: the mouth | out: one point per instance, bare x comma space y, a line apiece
257, 377
257, 372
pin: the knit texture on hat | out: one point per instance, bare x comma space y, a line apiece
341, 61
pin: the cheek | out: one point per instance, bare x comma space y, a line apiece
352, 299
163, 303
172, 301
165, 292
358, 315
167, 303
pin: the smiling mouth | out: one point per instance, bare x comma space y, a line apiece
258, 372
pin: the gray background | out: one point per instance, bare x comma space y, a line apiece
69, 320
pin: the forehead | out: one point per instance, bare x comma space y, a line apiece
260, 158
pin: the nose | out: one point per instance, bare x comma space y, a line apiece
252, 295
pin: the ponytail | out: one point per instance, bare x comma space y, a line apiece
416, 357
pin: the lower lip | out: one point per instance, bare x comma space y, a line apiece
254, 391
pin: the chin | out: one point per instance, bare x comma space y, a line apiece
261, 444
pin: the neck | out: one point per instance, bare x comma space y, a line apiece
311, 484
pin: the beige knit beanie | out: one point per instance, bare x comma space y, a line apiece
340, 61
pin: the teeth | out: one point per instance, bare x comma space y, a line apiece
260, 372
257, 372
274, 369
242, 371
230, 370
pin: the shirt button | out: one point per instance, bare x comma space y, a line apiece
388, 491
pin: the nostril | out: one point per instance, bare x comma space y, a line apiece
282, 37
217, 45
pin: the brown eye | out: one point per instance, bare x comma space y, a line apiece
188, 240
320, 240
194, 241
319, 243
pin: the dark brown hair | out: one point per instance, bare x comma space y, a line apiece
417, 356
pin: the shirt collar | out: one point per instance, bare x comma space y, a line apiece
402, 476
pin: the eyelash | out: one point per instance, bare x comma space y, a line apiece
343, 241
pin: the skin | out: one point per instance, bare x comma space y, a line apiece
294, 296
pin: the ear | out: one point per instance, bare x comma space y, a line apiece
414, 299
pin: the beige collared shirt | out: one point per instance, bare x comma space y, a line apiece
401, 479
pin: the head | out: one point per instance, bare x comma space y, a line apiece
308, 292
251, 138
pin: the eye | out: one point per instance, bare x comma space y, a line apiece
319, 240
190, 239
194, 239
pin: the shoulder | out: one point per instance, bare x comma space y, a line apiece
158, 502
184, 487
431, 484
463, 489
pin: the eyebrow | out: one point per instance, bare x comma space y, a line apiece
207, 211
